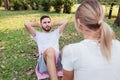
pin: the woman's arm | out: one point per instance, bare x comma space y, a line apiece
67, 63
68, 75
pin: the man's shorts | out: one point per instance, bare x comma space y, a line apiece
42, 64
41, 70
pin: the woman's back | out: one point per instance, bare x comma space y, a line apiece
97, 57
86, 60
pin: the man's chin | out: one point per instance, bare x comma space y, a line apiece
47, 30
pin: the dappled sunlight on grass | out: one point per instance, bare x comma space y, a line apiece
16, 21
2, 8
16, 44
2, 47
2, 43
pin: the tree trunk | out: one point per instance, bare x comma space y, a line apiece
6, 3
110, 12
0, 2
117, 21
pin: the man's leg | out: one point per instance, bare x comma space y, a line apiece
50, 59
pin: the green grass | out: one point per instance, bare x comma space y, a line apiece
18, 52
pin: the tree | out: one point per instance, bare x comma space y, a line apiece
79, 1
57, 4
110, 11
46, 4
68, 5
111, 3
6, 3
0, 2
117, 21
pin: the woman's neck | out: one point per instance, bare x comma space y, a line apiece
93, 35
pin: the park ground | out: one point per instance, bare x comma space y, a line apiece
18, 52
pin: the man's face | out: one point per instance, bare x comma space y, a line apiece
46, 24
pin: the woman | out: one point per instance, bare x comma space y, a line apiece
97, 57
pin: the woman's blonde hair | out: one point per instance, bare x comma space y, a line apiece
90, 13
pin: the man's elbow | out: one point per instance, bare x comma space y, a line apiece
26, 24
66, 22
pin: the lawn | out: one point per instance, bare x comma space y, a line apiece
18, 52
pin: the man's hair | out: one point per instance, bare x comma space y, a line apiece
42, 17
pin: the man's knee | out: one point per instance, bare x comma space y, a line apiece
50, 52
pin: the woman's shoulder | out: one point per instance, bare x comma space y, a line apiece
74, 45
68, 50
116, 42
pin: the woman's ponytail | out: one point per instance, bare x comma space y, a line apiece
91, 14
107, 35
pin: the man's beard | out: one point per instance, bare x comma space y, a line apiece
47, 30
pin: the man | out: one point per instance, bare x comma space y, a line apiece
48, 46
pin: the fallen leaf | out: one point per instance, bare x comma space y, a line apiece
2, 48
2, 66
30, 71
14, 79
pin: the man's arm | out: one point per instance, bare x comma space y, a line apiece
30, 27
68, 75
62, 24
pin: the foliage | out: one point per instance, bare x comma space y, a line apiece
68, 5
18, 4
34, 4
110, 1
25, 4
79, 1
57, 4
46, 4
